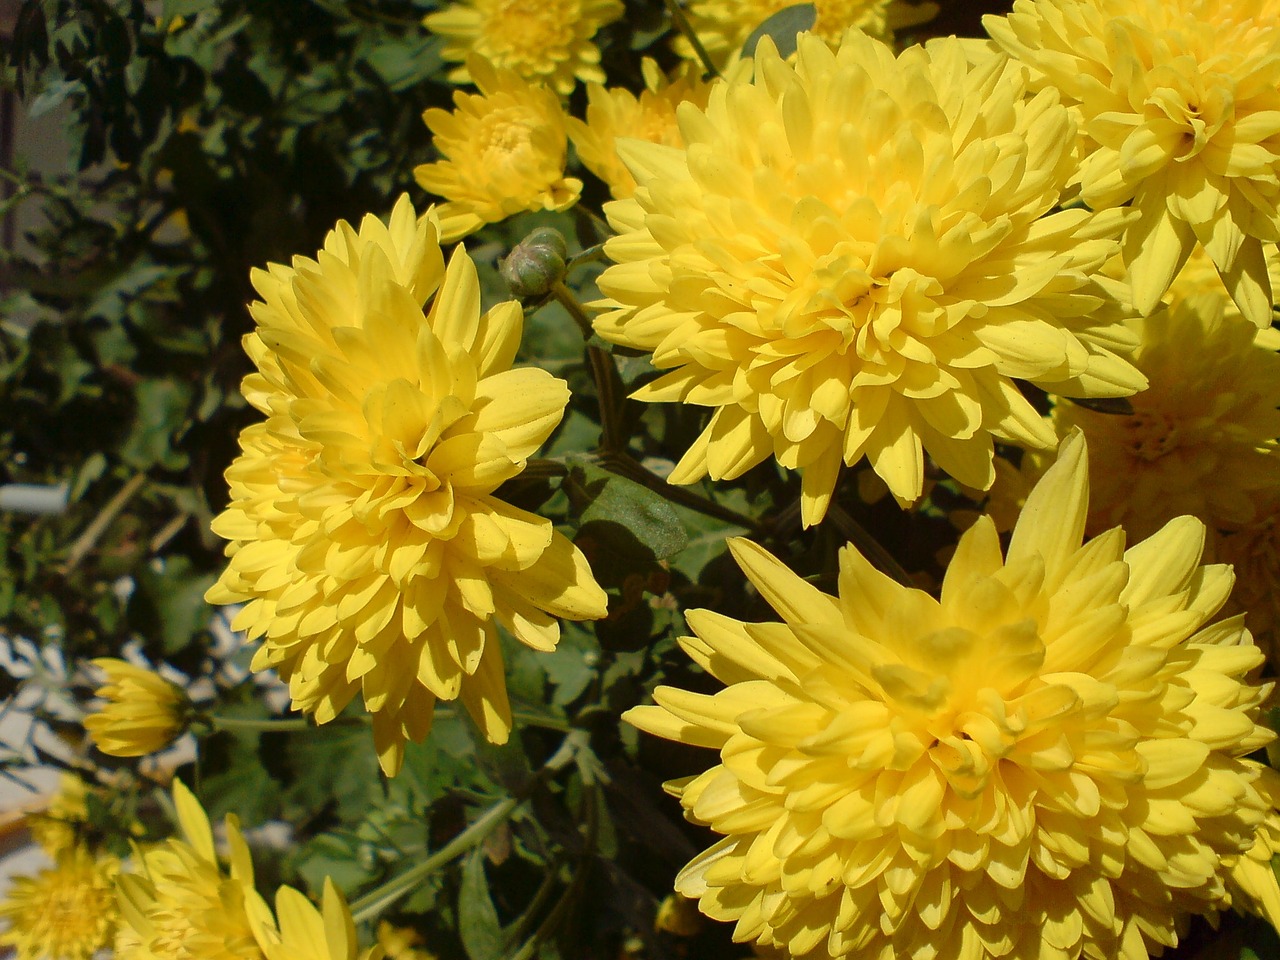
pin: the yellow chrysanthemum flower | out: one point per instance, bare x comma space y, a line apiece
723, 26
1253, 550
1202, 437
854, 256
58, 827
1251, 880
365, 538
1180, 103
504, 151
179, 904
66, 912
540, 40
1045, 763
617, 112
305, 933
144, 712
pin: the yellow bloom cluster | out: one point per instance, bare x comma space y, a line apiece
723, 26
651, 116
1202, 437
178, 903
504, 151
65, 912
842, 283
366, 540
1048, 762
539, 40
1179, 102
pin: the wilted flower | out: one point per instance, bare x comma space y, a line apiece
1180, 104
144, 712
65, 912
723, 26
854, 257
540, 40
1049, 762
617, 112
504, 151
365, 534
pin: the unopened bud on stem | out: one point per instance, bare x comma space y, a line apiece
536, 264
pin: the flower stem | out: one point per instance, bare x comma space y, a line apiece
684, 26
624, 465
286, 725
378, 899
603, 371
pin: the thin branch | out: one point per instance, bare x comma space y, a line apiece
89, 538
684, 26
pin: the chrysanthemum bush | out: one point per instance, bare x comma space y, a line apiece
871, 434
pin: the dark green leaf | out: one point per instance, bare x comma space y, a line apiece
606, 497
783, 27
477, 917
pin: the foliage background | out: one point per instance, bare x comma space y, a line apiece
213, 137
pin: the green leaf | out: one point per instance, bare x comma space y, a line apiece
169, 603
608, 498
333, 763
402, 65
478, 924
572, 665
784, 26
162, 413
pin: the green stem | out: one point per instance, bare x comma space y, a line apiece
289, 725
683, 25
378, 899
603, 371
589, 255
624, 465
869, 546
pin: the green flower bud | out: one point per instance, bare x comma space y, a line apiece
536, 264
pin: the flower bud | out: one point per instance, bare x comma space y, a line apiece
536, 264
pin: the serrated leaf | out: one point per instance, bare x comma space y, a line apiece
784, 26
478, 925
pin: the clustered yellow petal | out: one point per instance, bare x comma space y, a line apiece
723, 26
65, 912
540, 40
143, 713
1202, 437
366, 540
1179, 101
59, 826
1251, 879
617, 112
1047, 762
504, 151
854, 256
179, 903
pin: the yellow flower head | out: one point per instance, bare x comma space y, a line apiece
1202, 437
180, 903
305, 933
504, 152
1180, 104
1253, 550
66, 912
1251, 880
144, 713
854, 256
1044, 763
58, 826
723, 26
617, 112
539, 40
366, 541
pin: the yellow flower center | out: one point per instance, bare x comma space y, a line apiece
529, 28
1152, 434
507, 136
